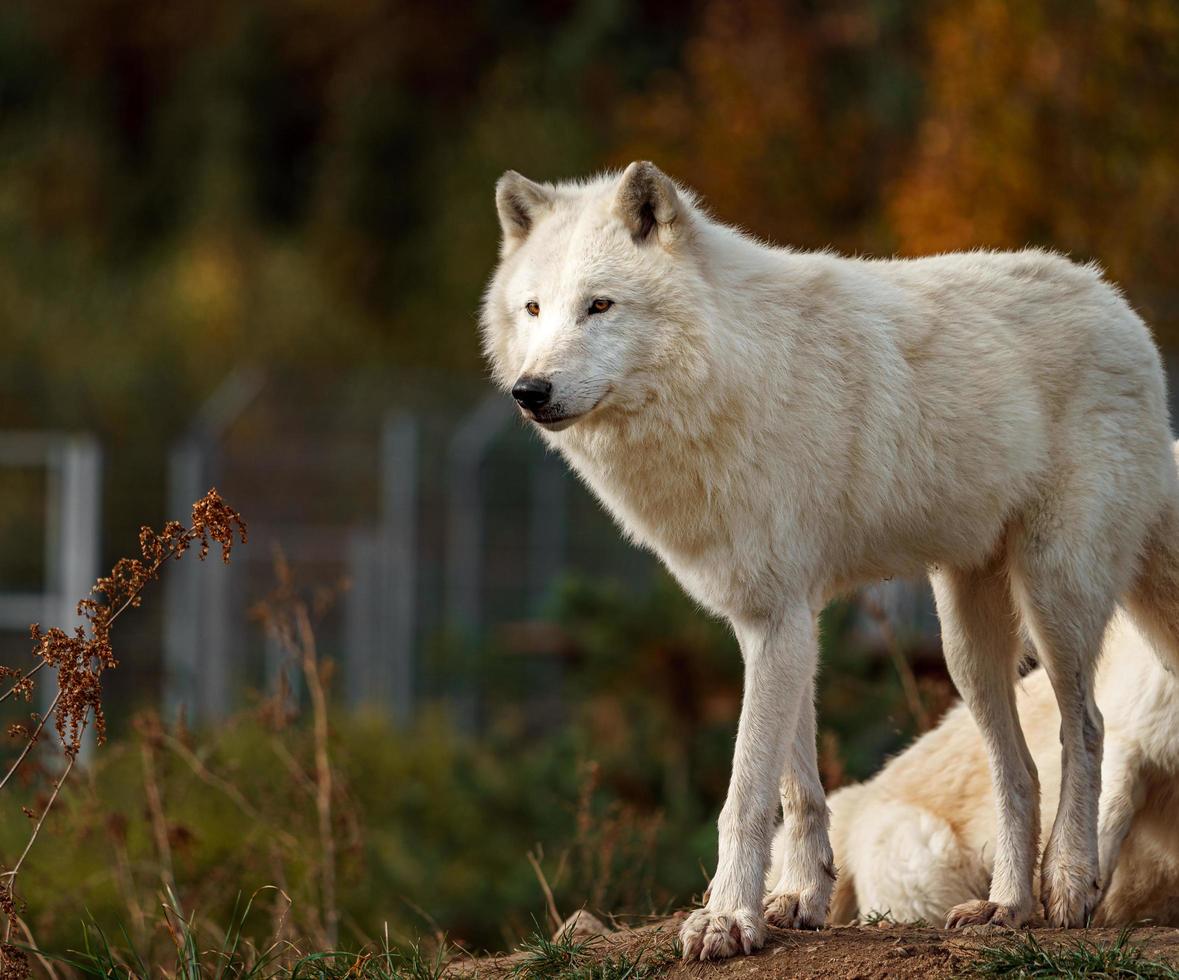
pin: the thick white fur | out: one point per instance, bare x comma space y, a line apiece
919, 837
780, 426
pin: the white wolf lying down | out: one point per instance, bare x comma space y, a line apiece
780, 427
919, 837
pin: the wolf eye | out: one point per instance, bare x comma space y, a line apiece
532, 308
600, 306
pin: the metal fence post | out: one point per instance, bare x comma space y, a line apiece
219, 637
73, 529
464, 537
78, 465
399, 562
81, 516
198, 633
546, 529
182, 593
361, 619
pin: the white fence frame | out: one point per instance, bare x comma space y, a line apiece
73, 522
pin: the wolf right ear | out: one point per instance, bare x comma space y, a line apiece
519, 202
648, 202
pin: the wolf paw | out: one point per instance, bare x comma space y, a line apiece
709, 935
983, 916
793, 911
1069, 896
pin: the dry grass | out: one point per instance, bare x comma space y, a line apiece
289, 617
78, 661
165, 934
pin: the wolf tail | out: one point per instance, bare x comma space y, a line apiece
845, 805
844, 904
1153, 600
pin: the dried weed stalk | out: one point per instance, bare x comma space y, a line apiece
289, 618
79, 660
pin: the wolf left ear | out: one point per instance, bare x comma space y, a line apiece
647, 201
519, 202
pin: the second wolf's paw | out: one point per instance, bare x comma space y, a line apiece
984, 916
1069, 896
709, 935
794, 911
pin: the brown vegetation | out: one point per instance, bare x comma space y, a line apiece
78, 660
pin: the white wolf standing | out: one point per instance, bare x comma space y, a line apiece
780, 427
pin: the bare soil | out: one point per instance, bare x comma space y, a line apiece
901, 952
896, 952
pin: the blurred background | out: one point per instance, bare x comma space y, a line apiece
243, 244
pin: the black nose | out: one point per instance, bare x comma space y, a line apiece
532, 393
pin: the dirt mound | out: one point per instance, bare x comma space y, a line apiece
890, 951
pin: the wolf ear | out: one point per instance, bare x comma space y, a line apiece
648, 202
519, 202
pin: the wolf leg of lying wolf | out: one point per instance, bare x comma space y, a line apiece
919, 837
780, 427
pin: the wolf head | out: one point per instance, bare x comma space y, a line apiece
596, 294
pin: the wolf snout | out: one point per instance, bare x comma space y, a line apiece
532, 393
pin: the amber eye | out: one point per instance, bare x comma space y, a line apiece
600, 306
532, 308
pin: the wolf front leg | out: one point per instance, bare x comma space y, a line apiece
780, 658
800, 895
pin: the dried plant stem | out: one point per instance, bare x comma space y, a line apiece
323, 772
159, 822
439, 932
210, 778
12, 875
900, 661
126, 882
46, 964
31, 742
550, 902
175, 552
80, 657
306, 784
280, 924
20, 684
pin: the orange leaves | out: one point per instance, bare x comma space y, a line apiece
1051, 124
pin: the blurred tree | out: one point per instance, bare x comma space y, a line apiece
790, 117
1053, 124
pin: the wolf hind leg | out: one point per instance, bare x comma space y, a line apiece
982, 647
1067, 576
